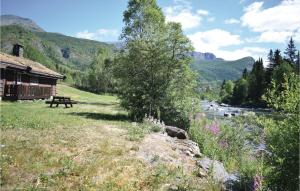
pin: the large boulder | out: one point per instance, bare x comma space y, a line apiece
219, 173
217, 169
176, 132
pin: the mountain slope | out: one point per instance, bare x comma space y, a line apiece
71, 56
16, 20
204, 56
218, 70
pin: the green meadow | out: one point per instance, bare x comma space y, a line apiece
88, 147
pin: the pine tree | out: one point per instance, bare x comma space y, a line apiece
270, 67
277, 58
297, 63
257, 81
271, 59
290, 52
245, 73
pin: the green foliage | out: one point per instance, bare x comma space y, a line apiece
282, 140
209, 91
290, 52
240, 91
100, 76
226, 90
153, 67
282, 136
284, 95
225, 141
256, 81
280, 70
69, 56
249, 90
218, 70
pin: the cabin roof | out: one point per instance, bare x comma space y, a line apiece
25, 64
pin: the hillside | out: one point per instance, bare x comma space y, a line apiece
218, 70
51, 47
24, 22
72, 56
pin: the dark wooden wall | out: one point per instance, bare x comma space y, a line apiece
11, 89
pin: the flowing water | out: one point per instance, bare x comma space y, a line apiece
214, 110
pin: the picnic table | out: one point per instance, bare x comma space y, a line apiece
61, 100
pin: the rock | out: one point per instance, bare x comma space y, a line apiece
201, 173
233, 182
218, 171
224, 105
193, 148
227, 115
176, 132
173, 188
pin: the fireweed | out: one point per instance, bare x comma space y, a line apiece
226, 141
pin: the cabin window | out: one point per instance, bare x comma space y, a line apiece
19, 78
34, 81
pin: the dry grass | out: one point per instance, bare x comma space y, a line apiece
88, 147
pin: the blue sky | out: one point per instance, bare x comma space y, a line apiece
230, 29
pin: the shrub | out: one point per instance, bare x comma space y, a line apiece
229, 142
282, 140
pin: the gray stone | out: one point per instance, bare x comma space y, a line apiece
217, 169
201, 173
227, 115
176, 132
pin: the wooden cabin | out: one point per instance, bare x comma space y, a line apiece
23, 79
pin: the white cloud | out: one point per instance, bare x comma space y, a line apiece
185, 17
182, 12
85, 34
274, 36
212, 40
202, 12
106, 32
217, 40
232, 21
100, 34
242, 1
255, 52
275, 24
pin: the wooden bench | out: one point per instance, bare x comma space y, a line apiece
61, 100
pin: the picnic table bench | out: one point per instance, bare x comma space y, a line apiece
61, 100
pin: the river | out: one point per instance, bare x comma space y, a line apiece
214, 110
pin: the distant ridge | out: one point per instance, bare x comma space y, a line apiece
23, 22
69, 55
218, 70
204, 56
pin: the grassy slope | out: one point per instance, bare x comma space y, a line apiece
219, 70
46, 47
87, 147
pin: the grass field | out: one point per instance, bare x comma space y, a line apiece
88, 147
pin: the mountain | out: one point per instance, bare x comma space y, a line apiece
24, 22
204, 56
72, 56
67, 55
218, 70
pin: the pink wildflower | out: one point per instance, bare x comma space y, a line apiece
257, 184
213, 128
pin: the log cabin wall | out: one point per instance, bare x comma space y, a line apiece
21, 85
2, 82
